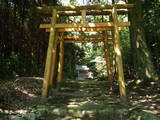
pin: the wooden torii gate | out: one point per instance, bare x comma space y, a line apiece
57, 35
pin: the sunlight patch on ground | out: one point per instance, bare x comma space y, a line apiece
21, 111
25, 92
30, 78
147, 73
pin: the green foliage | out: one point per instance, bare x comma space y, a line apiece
90, 111
73, 55
92, 51
29, 116
13, 67
126, 53
152, 29
7, 70
22, 44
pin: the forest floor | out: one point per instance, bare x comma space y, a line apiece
76, 100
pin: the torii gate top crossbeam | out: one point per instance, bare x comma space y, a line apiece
90, 7
84, 11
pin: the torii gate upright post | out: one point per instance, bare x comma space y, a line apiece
51, 53
117, 50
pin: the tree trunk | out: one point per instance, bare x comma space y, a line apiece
142, 60
113, 1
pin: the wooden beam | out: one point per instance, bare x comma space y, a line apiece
86, 25
117, 50
108, 63
49, 55
60, 64
83, 16
53, 61
113, 63
85, 41
89, 7
94, 13
84, 29
87, 36
45, 26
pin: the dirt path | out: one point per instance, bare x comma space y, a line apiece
75, 100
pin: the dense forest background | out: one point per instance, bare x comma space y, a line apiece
23, 46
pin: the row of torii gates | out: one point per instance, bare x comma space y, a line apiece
58, 36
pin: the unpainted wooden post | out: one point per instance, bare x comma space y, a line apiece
117, 50
60, 64
53, 59
108, 62
105, 55
49, 55
54, 54
114, 64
